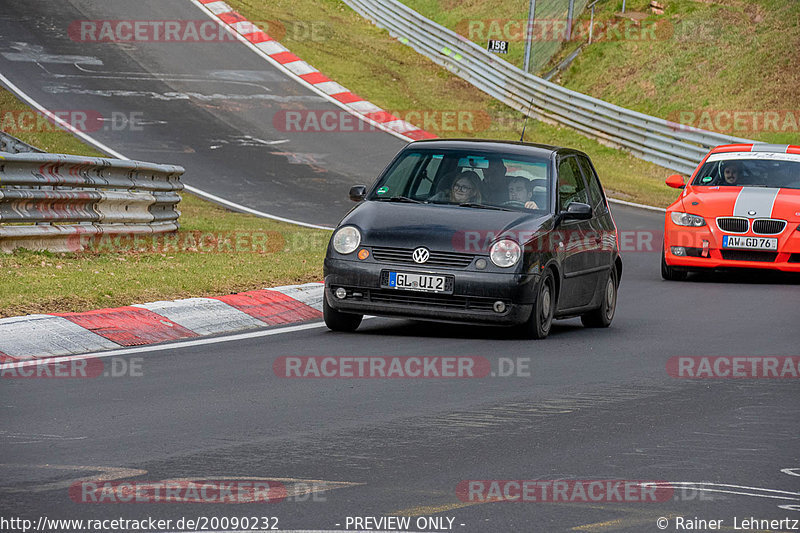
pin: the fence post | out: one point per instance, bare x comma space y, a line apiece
529, 36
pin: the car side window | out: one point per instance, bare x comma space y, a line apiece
598, 202
571, 187
396, 182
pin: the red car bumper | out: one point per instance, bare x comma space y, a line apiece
703, 247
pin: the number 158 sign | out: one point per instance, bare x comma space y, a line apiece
497, 47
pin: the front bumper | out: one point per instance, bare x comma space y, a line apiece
472, 301
706, 252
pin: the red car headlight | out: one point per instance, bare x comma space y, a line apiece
687, 219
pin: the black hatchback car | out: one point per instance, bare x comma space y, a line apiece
482, 232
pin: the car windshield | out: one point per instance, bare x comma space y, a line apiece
493, 180
770, 170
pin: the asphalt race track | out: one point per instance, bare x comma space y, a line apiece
207, 106
595, 404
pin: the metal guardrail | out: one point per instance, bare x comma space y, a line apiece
12, 145
653, 139
55, 202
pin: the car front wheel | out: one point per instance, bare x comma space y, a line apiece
541, 319
338, 321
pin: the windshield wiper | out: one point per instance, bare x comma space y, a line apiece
484, 206
405, 199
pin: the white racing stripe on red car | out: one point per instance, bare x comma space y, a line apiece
755, 202
761, 156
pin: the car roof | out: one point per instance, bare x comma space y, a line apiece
490, 145
757, 147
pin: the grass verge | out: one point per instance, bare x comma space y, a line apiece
726, 65
364, 58
216, 252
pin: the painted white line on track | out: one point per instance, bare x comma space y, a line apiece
107, 473
245, 209
640, 206
164, 347
161, 347
702, 489
726, 485
110, 151
704, 486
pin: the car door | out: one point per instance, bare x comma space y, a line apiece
603, 229
575, 243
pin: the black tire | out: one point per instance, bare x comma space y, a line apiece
541, 319
669, 273
338, 321
603, 315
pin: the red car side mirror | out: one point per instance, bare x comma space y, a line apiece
675, 181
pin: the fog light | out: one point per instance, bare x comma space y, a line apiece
340, 293
480, 264
678, 250
363, 254
499, 307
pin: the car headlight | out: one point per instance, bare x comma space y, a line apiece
685, 219
505, 253
346, 240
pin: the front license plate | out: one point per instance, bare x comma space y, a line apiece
418, 282
750, 243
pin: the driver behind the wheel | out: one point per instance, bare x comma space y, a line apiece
520, 190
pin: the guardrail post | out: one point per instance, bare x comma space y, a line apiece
569, 19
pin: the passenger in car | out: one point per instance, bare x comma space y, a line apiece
465, 189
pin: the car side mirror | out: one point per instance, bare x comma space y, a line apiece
675, 181
358, 192
577, 211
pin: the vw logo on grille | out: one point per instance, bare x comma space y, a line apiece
421, 255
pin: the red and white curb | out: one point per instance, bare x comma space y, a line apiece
59, 334
304, 73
